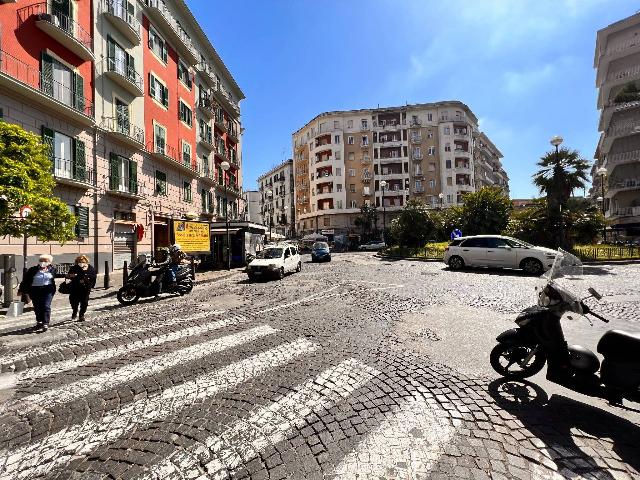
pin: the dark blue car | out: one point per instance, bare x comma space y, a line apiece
320, 252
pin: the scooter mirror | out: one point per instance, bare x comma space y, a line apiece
595, 294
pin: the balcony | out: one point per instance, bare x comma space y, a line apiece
177, 37
208, 73
232, 133
226, 99
21, 78
207, 175
233, 157
126, 22
122, 129
219, 121
418, 190
624, 212
364, 144
417, 156
126, 188
458, 152
221, 151
366, 193
206, 140
415, 123
366, 177
169, 155
627, 127
632, 156
464, 187
460, 133
462, 168
418, 175
416, 138
66, 172
206, 107
459, 119
623, 185
59, 27
125, 76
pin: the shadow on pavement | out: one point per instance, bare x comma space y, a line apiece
595, 270
570, 429
501, 272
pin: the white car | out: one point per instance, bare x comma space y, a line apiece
275, 261
498, 251
372, 245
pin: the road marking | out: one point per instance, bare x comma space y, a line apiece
113, 334
303, 300
243, 440
111, 378
102, 355
42, 456
405, 446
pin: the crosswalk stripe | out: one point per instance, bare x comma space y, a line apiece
244, 439
404, 446
11, 358
145, 368
29, 461
308, 299
102, 355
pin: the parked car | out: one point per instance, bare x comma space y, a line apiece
320, 252
275, 261
499, 252
372, 245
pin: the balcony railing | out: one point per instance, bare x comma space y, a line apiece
416, 138
126, 186
67, 171
415, 122
624, 128
160, 148
123, 126
176, 29
621, 46
128, 72
416, 156
626, 184
624, 157
72, 35
33, 78
119, 10
206, 104
625, 212
227, 97
626, 73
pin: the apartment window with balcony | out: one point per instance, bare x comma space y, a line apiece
352, 187
351, 156
430, 117
184, 75
365, 140
432, 150
184, 113
447, 147
160, 138
352, 172
158, 46
61, 83
449, 181
186, 192
417, 152
62, 153
364, 123
336, 139
338, 187
418, 185
186, 153
122, 117
123, 174
158, 91
339, 204
448, 163
447, 131
119, 61
338, 172
350, 140
161, 183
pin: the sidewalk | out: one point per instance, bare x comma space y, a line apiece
115, 282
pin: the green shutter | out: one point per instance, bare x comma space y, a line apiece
210, 198
131, 68
78, 90
111, 54
113, 171
165, 95
133, 176
82, 224
203, 197
79, 161
46, 77
161, 183
47, 140
152, 85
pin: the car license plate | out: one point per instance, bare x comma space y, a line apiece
257, 273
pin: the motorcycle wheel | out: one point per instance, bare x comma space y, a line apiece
504, 357
185, 287
127, 296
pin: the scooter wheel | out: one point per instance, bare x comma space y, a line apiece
127, 296
505, 359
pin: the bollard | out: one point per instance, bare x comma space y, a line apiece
125, 272
106, 274
193, 269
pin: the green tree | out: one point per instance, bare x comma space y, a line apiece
26, 179
414, 226
446, 220
485, 211
628, 93
367, 221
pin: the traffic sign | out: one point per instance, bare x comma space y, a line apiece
25, 211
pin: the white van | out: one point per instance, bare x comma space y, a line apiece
275, 261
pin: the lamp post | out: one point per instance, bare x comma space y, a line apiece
383, 185
441, 197
270, 196
603, 173
225, 167
286, 207
556, 141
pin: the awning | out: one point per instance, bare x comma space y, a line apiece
215, 231
314, 237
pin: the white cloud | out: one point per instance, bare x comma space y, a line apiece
527, 80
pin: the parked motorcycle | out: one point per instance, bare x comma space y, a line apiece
522, 352
148, 279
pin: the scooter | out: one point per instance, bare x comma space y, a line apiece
147, 279
539, 339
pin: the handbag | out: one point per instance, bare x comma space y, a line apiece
65, 288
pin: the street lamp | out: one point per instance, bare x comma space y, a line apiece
270, 197
556, 141
441, 197
603, 173
286, 207
225, 167
383, 185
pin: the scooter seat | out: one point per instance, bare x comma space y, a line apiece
620, 345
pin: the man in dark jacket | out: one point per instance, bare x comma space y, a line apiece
83, 279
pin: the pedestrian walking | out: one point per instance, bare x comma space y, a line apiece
39, 284
83, 279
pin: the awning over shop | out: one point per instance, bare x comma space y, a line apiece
217, 231
314, 237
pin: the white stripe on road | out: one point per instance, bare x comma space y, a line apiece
111, 378
298, 302
113, 334
405, 446
102, 355
40, 457
245, 439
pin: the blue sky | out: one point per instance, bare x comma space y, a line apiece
525, 67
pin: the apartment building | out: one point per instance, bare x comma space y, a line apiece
277, 198
422, 151
488, 170
140, 113
617, 166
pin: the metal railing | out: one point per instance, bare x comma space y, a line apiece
623, 157
123, 126
603, 252
32, 77
625, 212
624, 73
118, 8
627, 183
64, 168
127, 71
44, 11
125, 185
175, 26
624, 127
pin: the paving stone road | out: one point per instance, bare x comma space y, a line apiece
361, 368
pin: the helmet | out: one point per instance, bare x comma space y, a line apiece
175, 248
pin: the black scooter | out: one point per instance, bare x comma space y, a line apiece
522, 352
148, 280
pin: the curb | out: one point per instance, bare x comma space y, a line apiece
412, 259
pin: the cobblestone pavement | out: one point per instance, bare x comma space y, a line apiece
360, 368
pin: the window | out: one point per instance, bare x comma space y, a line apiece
449, 198
119, 61
349, 123
354, 204
447, 130
417, 152
351, 156
352, 172
123, 174
160, 137
339, 204
364, 123
418, 185
161, 183
184, 113
326, 221
336, 124
352, 187
432, 167
158, 91
186, 191
82, 224
186, 153
365, 140
338, 154
61, 83
430, 134
429, 117
184, 75
338, 172
336, 139
449, 181
447, 147
448, 163
62, 155
432, 150
350, 140
477, 242
157, 45
432, 183
338, 187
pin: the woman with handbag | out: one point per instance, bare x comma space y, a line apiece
83, 279
39, 284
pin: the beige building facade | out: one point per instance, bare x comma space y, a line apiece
616, 172
277, 200
423, 151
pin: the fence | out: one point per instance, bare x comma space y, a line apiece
429, 252
601, 252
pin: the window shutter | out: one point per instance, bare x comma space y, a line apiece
210, 202
78, 90
111, 53
113, 171
150, 43
152, 85
47, 140
133, 176
79, 161
46, 78
131, 67
203, 196
82, 223
165, 95
164, 52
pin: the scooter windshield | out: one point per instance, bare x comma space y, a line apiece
566, 277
